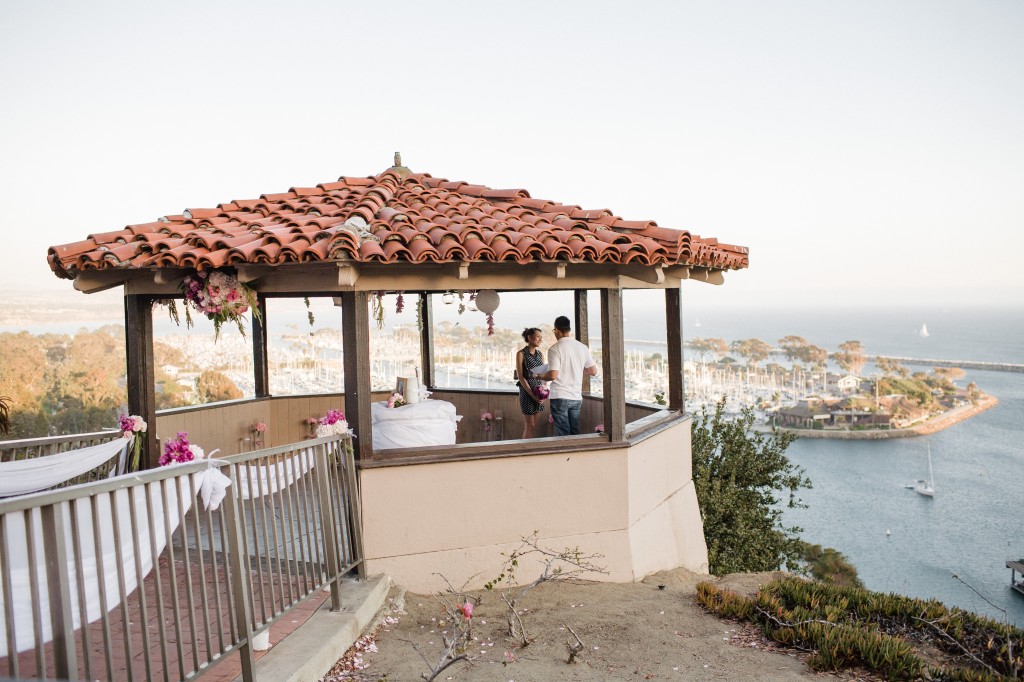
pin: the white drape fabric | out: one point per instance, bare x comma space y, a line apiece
32, 475
259, 480
170, 501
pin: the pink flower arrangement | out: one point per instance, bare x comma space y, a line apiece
178, 450
219, 296
396, 400
332, 424
599, 428
541, 391
258, 429
132, 427
486, 418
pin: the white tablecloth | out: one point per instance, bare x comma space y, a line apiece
430, 422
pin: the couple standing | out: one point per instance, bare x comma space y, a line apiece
568, 362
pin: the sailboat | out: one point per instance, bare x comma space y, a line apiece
927, 487
923, 331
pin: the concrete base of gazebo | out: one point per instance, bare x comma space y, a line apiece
635, 504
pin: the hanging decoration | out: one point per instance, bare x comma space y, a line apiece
487, 301
219, 295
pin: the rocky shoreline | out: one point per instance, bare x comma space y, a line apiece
932, 425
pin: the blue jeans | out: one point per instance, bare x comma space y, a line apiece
566, 415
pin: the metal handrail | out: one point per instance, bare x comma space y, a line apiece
210, 578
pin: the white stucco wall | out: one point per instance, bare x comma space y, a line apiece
636, 506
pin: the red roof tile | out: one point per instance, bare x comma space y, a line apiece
394, 216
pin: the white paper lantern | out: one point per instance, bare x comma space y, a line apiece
487, 300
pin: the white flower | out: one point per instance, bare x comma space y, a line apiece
197, 452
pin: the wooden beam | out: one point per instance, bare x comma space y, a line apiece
582, 323
355, 335
559, 270
464, 270
678, 271
250, 273
169, 275
138, 322
613, 357
93, 281
260, 360
716, 277
674, 327
644, 273
347, 274
426, 340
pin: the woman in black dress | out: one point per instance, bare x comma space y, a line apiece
526, 359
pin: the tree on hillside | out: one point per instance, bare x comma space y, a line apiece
213, 386
851, 357
741, 477
5, 416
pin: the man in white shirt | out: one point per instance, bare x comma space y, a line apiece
568, 362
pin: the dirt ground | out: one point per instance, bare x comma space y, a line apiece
652, 630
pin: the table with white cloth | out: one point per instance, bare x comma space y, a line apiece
429, 422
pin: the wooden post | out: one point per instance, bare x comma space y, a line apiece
674, 327
582, 323
427, 340
260, 363
138, 336
613, 355
355, 339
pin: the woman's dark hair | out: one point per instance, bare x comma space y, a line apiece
528, 332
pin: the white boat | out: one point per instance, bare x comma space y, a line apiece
923, 331
927, 488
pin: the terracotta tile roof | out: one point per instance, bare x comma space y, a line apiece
392, 217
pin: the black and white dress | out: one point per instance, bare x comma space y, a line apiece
530, 360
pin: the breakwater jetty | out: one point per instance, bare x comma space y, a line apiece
963, 364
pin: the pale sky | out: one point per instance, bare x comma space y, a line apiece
865, 151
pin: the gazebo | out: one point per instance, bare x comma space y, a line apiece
626, 493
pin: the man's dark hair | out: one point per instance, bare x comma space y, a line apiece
562, 323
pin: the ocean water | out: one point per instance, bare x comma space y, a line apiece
975, 522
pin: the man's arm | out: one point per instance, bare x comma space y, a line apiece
590, 371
